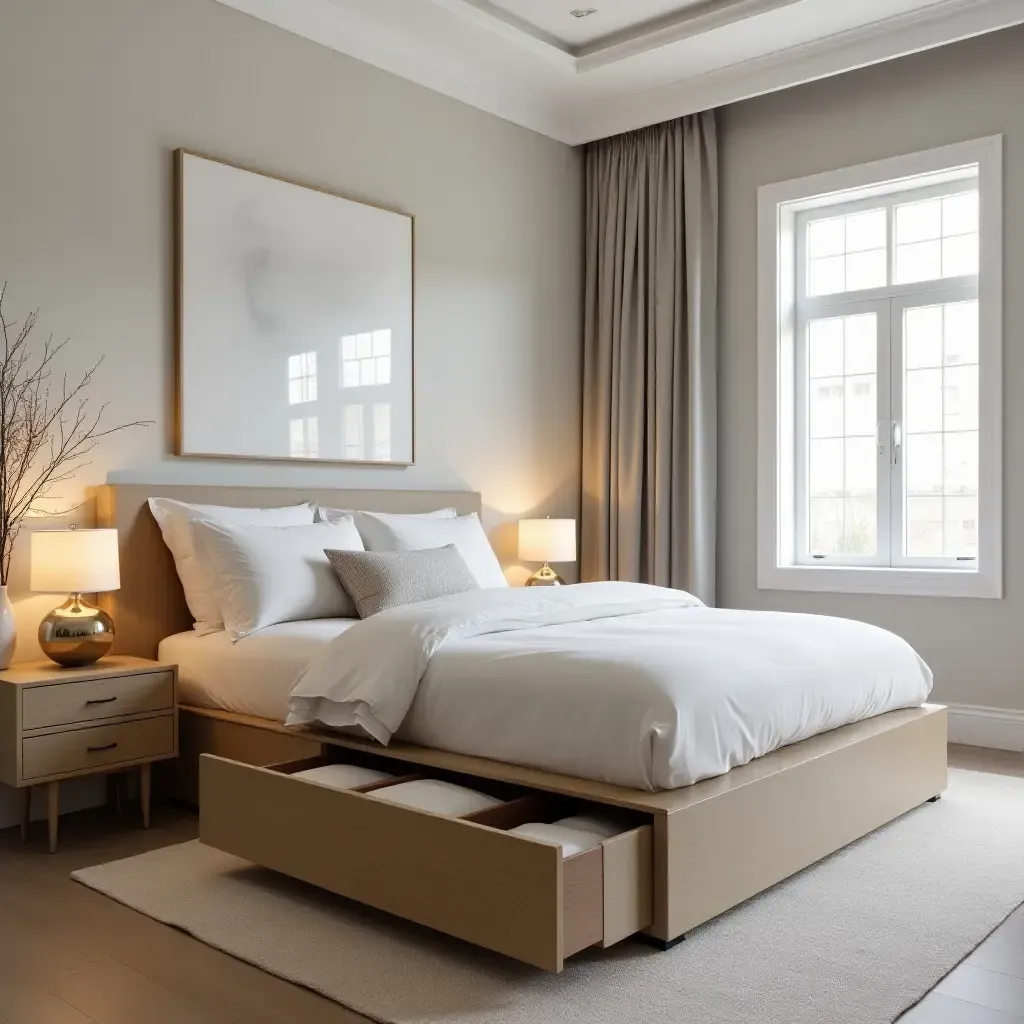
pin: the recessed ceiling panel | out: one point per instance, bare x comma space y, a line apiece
610, 17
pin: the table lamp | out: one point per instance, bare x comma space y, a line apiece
75, 562
547, 540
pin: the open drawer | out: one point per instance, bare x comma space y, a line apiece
467, 877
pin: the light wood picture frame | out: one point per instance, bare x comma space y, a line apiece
294, 335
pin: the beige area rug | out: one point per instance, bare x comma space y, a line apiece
854, 940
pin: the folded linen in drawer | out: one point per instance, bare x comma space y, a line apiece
571, 840
604, 826
437, 796
575, 834
343, 776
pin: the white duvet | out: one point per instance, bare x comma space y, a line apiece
624, 683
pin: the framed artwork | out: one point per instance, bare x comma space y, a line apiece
295, 320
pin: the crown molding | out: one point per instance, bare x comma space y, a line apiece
462, 49
943, 23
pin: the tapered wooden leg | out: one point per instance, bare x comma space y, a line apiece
52, 812
145, 790
26, 810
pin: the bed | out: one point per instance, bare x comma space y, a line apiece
692, 852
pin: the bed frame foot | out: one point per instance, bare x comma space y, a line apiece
934, 799
664, 945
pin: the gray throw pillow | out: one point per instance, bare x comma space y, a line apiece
378, 580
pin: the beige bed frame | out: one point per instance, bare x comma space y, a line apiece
692, 854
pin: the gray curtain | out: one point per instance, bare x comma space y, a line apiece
649, 375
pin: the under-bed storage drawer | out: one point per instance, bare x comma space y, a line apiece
476, 881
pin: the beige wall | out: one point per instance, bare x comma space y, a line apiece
95, 98
972, 89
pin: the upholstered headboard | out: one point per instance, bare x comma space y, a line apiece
150, 604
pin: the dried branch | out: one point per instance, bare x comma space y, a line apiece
46, 431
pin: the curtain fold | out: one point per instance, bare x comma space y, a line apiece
649, 360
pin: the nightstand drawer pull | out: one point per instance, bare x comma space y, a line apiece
97, 750
100, 700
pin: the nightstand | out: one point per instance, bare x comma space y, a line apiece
63, 723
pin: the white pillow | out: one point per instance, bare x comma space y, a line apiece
174, 517
438, 796
372, 525
414, 533
269, 574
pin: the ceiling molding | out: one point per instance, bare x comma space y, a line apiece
462, 49
692, 21
945, 22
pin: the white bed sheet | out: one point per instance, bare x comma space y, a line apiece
632, 685
253, 676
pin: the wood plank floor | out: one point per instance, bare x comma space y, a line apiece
71, 956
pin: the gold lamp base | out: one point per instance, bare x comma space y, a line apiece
77, 633
545, 577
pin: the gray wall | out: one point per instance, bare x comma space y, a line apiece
965, 91
95, 98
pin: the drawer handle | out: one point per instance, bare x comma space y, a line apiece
97, 750
100, 700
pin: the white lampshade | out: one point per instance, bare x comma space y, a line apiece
74, 561
547, 540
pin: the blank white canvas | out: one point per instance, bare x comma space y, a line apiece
296, 321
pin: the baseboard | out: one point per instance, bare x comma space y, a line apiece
997, 728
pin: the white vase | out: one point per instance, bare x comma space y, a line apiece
8, 631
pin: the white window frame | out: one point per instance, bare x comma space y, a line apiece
779, 208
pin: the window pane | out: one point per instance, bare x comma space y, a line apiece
826, 276
825, 342
861, 406
960, 527
861, 466
861, 527
923, 401
916, 222
924, 527
367, 376
921, 261
961, 332
826, 237
825, 525
384, 369
382, 343
960, 398
960, 214
825, 407
866, 270
960, 463
861, 333
865, 231
825, 474
923, 463
364, 345
959, 255
923, 331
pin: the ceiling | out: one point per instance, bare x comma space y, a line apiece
554, 18
633, 62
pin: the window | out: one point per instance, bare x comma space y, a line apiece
880, 367
302, 378
366, 359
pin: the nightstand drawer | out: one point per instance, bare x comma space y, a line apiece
89, 749
93, 699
